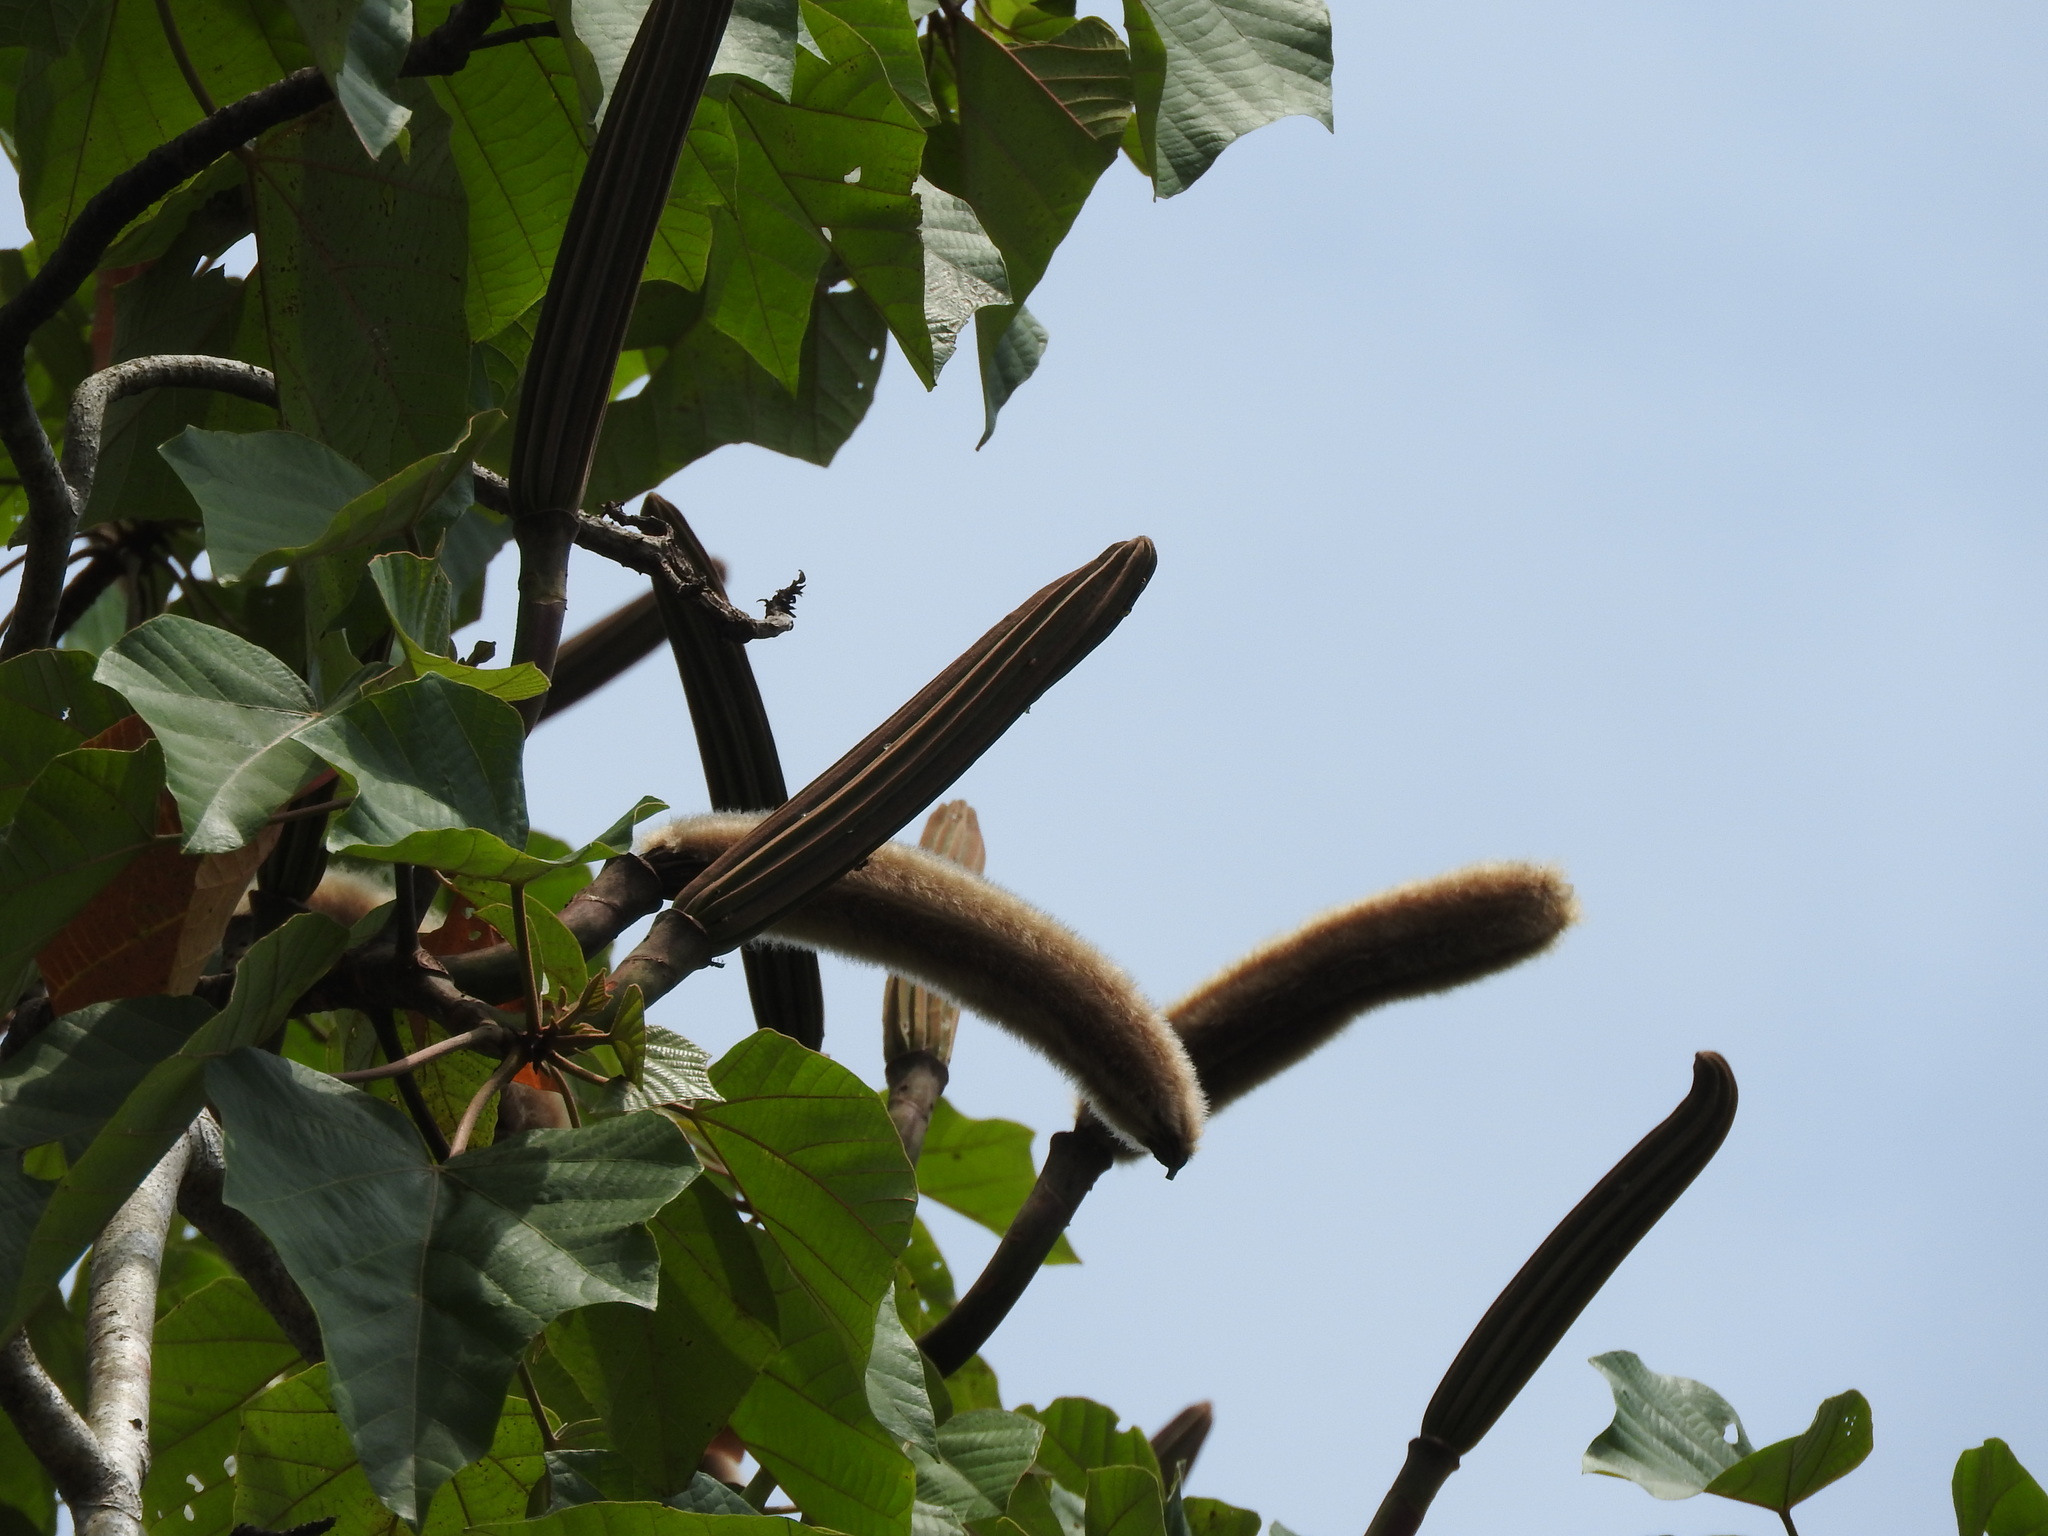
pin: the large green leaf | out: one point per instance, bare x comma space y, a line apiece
426, 756
983, 1456
760, 44
430, 1279
833, 168
363, 271
272, 976
262, 493
1081, 1436
294, 1465
215, 1352
1023, 156
667, 1381
87, 113
963, 270
28, 1499
48, 704
822, 1168
48, 25
74, 1072
1210, 70
1789, 1472
227, 713
518, 143
642, 1520
709, 392
421, 602
896, 1391
1670, 1433
1996, 1496
808, 1420
272, 499
88, 813
1011, 343
1124, 1501
360, 47
982, 1169
1213, 1517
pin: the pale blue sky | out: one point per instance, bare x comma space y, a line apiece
1621, 444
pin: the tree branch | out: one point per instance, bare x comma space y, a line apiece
90, 401
58, 1438
120, 1329
242, 1243
660, 546
1074, 1160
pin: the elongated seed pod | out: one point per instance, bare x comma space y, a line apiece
742, 772
1292, 996
1545, 1298
913, 757
589, 302
912, 1018
923, 916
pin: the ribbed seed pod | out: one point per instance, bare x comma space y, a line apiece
852, 808
1523, 1325
914, 1019
742, 771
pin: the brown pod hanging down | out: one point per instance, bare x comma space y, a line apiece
924, 917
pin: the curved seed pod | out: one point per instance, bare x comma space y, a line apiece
913, 757
938, 923
1289, 998
1524, 1324
742, 770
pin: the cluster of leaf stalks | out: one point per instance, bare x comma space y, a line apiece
393, 1203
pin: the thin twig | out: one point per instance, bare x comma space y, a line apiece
507, 1069
548, 1442
577, 1069
177, 43
554, 1070
90, 401
648, 544
385, 1022
424, 1055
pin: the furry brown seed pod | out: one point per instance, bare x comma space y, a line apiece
1292, 996
927, 918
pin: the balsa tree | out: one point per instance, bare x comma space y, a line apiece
343, 1177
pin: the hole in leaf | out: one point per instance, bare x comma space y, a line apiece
852, 176
844, 285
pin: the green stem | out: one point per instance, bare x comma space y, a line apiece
529, 973
759, 1486
1786, 1516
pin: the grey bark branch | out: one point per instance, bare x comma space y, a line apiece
120, 1329
56, 1435
243, 1244
90, 401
